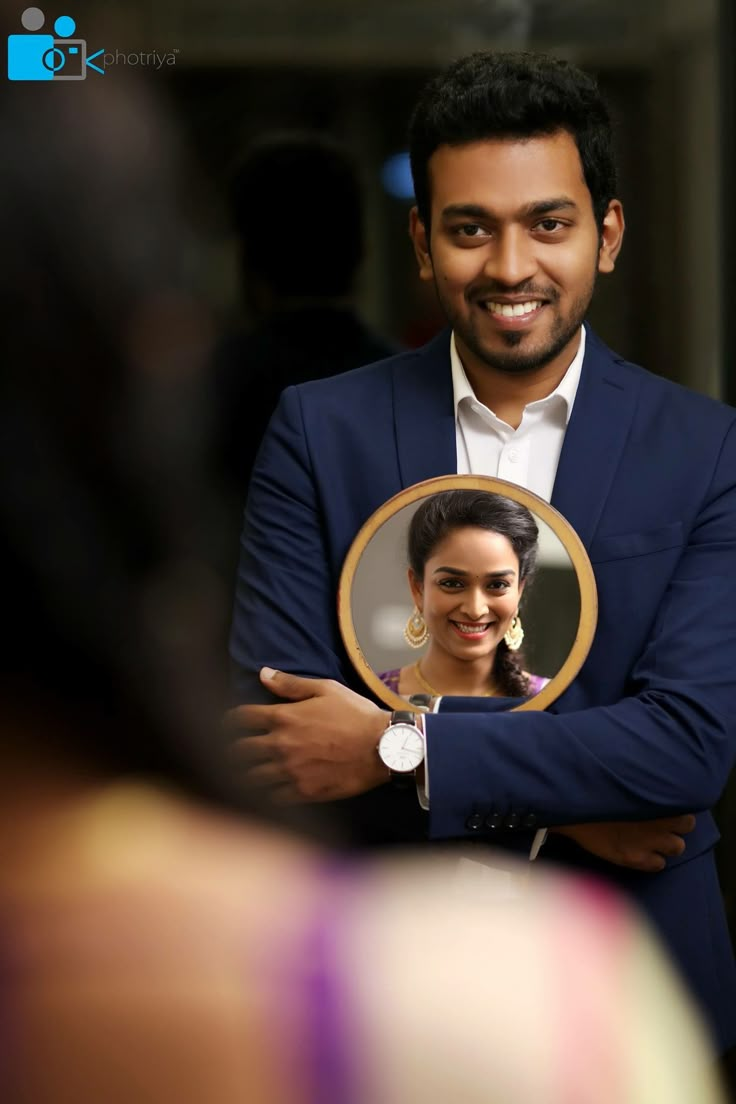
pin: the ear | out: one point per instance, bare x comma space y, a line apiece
612, 236
522, 584
420, 241
417, 589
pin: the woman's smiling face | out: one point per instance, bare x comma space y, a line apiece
470, 592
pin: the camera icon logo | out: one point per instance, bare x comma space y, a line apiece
42, 57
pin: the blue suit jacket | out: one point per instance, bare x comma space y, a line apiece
647, 476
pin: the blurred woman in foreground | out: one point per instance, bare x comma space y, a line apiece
160, 941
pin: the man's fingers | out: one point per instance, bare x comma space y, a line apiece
262, 718
266, 774
665, 846
677, 845
250, 718
250, 750
292, 687
650, 863
669, 844
679, 824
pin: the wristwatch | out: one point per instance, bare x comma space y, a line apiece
401, 748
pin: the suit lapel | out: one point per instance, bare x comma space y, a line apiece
599, 426
424, 415
604, 408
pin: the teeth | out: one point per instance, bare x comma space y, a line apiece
471, 628
514, 310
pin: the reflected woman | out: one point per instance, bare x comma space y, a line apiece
471, 554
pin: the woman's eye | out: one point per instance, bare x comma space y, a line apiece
450, 584
498, 584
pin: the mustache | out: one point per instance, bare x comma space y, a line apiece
528, 291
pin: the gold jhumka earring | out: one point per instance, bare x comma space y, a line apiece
416, 632
514, 634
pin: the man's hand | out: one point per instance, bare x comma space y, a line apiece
320, 745
640, 845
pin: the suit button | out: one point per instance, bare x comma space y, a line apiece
512, 821
530, 820
493, 821
474, 822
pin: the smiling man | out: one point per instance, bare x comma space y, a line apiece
514, 268
516, 215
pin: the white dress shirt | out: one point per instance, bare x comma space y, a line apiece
528, 455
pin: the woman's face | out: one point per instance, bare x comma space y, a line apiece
469, 593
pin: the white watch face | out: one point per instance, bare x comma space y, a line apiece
401, 747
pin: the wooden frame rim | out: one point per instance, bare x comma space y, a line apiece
557, 523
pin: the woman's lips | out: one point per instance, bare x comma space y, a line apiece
470, 630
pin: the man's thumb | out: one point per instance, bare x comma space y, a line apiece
292, 687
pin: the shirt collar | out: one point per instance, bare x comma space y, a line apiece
565, 391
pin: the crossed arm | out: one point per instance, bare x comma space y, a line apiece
660, 753
320, 745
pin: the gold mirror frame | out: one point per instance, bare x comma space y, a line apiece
559, 525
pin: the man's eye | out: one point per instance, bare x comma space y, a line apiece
470, 230
549, 225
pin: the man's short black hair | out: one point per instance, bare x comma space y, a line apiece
297, 210
517, 96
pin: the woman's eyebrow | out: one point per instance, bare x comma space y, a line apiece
488, 575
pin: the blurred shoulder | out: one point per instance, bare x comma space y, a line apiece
144, 934
125, 852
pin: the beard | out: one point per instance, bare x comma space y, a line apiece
515, 359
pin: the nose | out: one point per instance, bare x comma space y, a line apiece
511, 261
475, 605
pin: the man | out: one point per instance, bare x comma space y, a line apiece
516, 214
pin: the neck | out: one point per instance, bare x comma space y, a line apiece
508, 393
463, 678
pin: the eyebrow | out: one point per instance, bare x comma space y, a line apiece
488, 575
535, 209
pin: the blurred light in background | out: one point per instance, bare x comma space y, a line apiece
396, 176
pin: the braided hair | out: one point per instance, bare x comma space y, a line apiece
443, 513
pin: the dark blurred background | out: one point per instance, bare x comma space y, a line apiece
233, 70
352, 68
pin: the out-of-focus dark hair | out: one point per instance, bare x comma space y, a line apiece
110, 612
297, 210
515, 96
441, 514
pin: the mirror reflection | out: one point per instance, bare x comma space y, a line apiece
466, 591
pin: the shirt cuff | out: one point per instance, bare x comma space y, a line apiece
540, 838
423, 784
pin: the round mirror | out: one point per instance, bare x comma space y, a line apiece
467, 585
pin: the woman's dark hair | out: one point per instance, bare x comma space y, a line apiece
112, 613
516, 96
443, 513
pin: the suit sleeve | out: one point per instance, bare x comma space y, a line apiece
667, 748
285, 613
